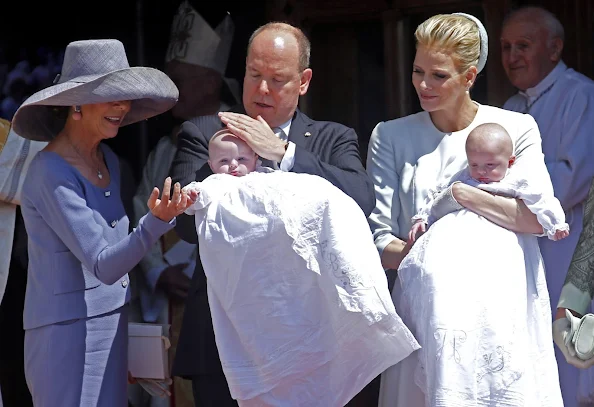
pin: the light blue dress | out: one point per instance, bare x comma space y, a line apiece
80, 251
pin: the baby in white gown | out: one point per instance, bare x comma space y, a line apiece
299, 300
489, 151
480, 315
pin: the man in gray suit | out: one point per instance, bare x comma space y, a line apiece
277, 74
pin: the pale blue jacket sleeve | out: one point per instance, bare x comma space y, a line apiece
65, 210
381, 168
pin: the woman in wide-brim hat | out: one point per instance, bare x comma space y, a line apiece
80, 248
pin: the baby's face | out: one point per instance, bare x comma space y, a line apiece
486, 166
230, 155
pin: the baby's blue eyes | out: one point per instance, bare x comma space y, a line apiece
225, 160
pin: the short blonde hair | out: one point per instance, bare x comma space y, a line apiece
454, 33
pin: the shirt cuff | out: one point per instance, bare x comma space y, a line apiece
289, 158
382, 241
574, 299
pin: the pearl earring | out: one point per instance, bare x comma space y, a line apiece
77, 115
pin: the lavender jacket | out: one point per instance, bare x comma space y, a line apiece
80, 248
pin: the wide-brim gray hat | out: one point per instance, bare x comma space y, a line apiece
95, 71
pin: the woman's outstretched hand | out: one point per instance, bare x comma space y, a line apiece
168, 207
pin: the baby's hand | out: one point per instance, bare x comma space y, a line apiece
560, 234
192, 195
192, 190
417, 230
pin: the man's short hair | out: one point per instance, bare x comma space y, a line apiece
302, 40
550, 20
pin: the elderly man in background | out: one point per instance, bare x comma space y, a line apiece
196, 61
16, 154
277, 74
561, 101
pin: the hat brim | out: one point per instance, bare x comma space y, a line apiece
151, 91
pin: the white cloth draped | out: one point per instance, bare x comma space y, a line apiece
481, 315
299, 300
15, 156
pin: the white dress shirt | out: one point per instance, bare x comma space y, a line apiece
289, 158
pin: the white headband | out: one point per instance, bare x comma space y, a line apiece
484, 40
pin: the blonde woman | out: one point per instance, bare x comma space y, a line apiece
472, 292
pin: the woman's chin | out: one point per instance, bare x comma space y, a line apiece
429, 107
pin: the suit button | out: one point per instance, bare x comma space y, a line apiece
124, 283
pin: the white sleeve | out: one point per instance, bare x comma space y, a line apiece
529, 156
382, 171
544, 205
203, 197
16, 154
572, 168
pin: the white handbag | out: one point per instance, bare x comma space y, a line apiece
582, 335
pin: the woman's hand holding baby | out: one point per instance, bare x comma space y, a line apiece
417, 230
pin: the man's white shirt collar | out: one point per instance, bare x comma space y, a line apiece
548, 81
289, 158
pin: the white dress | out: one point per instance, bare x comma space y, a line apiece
300, 304
407, 158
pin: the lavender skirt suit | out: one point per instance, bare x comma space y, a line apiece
80, 251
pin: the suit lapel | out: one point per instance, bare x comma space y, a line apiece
300, 126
